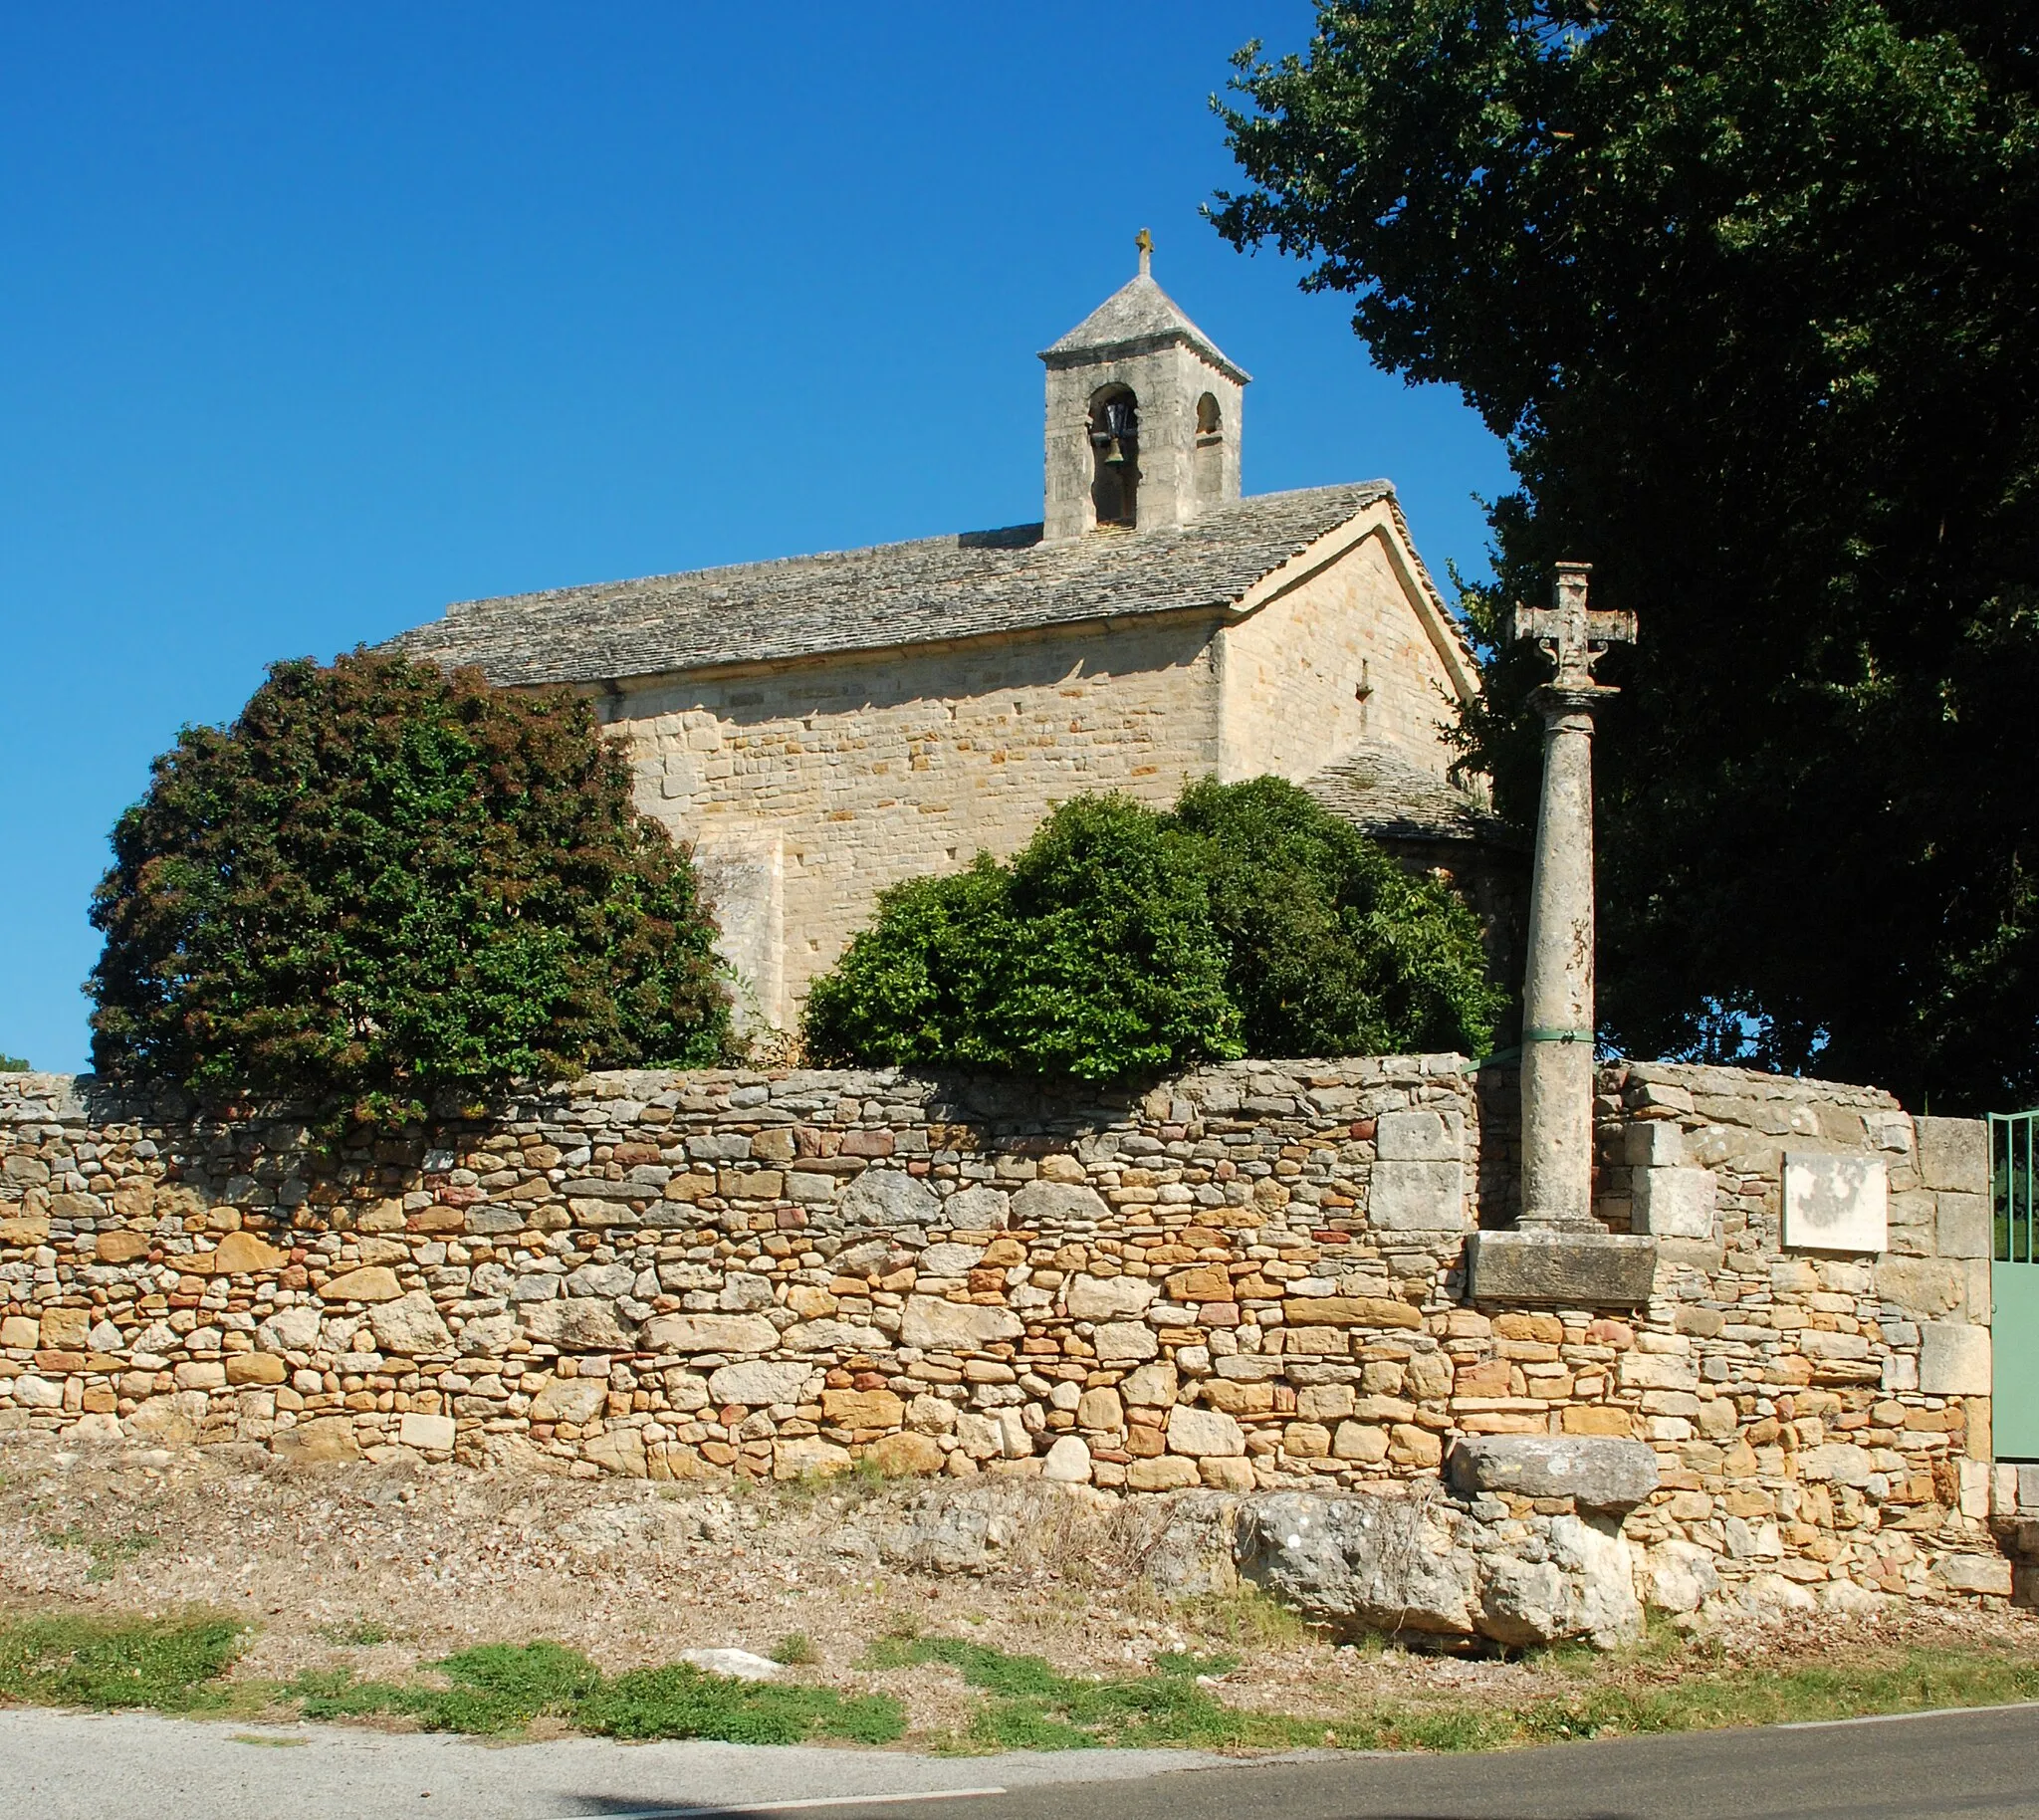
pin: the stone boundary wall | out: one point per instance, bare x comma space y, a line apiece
1251, 1277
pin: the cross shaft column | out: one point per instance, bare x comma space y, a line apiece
1557, 982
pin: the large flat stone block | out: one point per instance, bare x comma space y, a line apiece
1597, 1472
1416, 1136
1953, 1359
1675, 1203
1416, 1197
1955, 1153
1561, 1270
1835, 1201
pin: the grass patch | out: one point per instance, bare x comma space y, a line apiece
1032, 1707
794, 1650
358, 1633
109, 1553
171, 1665
502, 1687
182, 1664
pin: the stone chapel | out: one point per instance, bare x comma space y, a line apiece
821, 727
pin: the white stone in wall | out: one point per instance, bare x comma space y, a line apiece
1413, 1197
1673, 1203
1953, 1359
1835, 1202
1418, 1135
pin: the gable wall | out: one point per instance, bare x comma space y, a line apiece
1291, 671
809, 788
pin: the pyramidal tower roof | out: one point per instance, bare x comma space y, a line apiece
1138, 316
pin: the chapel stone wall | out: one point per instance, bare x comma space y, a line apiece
809, 788
1248, 1278
1339, 660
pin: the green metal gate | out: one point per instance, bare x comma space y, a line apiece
2014, 1283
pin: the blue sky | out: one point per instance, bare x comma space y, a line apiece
320, 317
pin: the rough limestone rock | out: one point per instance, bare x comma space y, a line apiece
410, 1325
1189, 1552
890, 1196
576, 1400
739, 1665
692, 1333
582, 1325
1361, 1564
1069, 1461
1052, 1203
1109, 1298
911, 1456
1574, 1579
373, 1283
617, 1450
945, 1326
1679, 1576
1597, 1472
1425, 1563
759, 1383
944, 1532
1204, 1433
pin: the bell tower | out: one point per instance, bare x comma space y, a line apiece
1142, 415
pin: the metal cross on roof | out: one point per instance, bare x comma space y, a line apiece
1569, 630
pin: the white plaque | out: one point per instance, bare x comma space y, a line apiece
1835, 1201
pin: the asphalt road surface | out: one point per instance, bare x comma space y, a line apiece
70, 1766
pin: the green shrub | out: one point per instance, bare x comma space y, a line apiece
1121, 941
12, 1065
382, 879
1091, 954
1334, 949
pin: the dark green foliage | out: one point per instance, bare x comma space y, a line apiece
12, 1065
1121, 941
1749, 289
1333, 948
1092, 954
382, 880
84, 1662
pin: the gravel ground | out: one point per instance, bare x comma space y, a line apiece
380, 1568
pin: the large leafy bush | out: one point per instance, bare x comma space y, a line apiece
1121, 941
383, 880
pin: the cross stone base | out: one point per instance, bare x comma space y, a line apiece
1557, 1267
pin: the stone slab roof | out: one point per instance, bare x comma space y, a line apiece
931, 590
1139, 313
1382, 792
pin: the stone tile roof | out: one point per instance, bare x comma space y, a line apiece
893, 594
1381, 791
1139, 313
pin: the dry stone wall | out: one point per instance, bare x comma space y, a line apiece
1249, 1278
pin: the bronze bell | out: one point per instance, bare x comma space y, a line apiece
1114, 456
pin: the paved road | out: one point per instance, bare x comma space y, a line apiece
67, 1767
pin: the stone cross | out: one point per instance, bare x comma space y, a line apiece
1569, 630
1557, 982
1145, 242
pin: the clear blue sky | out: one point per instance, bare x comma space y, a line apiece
317, 318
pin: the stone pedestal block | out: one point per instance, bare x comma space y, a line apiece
1597, 1472
1561, 1270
